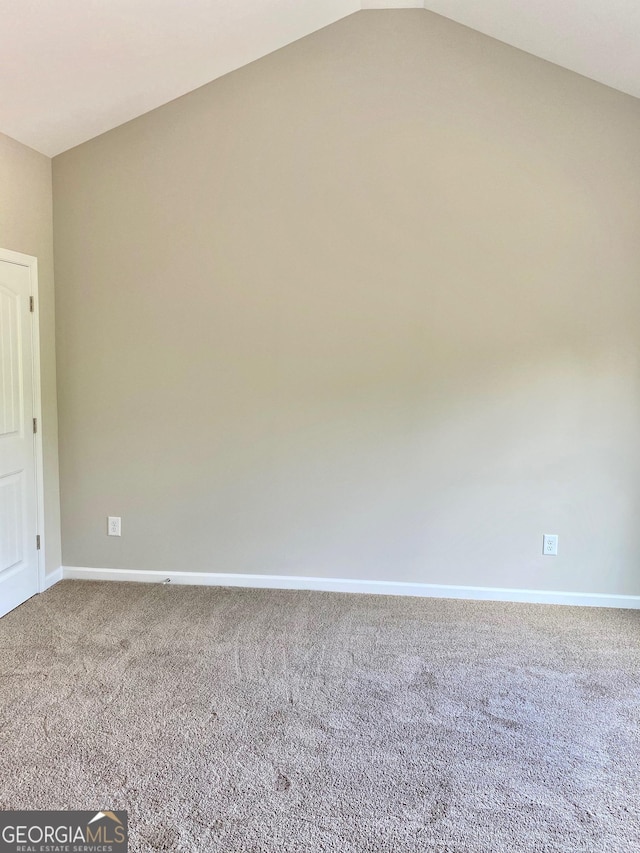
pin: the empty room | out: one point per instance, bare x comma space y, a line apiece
320, 426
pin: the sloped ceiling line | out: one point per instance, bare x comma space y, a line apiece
73, 69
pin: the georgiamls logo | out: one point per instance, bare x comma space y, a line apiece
64, 831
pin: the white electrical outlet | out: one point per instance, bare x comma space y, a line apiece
114, 525
550, 544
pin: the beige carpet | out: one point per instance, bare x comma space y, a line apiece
243, 720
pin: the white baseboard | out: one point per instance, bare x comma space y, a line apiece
52, 578
424, 590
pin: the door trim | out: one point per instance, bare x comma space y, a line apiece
31, 263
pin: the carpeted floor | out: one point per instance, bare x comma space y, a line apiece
244, 720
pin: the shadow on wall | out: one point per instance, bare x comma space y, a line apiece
436, 481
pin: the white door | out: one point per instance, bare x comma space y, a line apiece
18, 503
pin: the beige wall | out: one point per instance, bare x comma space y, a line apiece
26, 226
366, 308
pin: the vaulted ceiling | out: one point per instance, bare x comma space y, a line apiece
72, 69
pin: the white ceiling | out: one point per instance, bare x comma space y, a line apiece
597, 38
72, 69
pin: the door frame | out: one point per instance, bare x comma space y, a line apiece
31, 262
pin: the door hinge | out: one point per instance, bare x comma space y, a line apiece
31, 304
35, 425
38, 542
